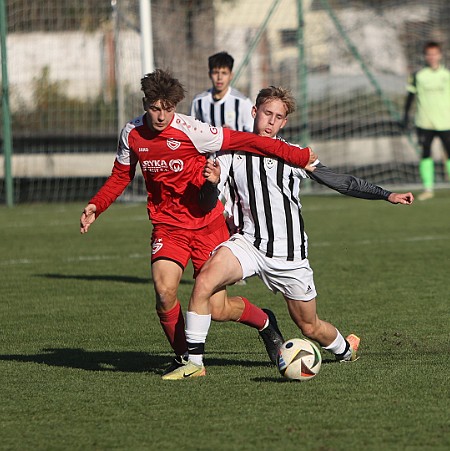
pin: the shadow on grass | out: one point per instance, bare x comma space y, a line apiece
282, 380
119, 361
106, 278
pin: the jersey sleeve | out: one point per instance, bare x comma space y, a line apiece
122, 174
206, 138
114, 186
261, 145
348, 185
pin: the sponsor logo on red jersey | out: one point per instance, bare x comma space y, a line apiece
154, 166
162, 166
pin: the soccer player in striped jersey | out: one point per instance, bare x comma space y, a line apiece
271, 241
225, 106
171, 150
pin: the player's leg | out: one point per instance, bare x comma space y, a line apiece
223, 269
166, 278
220, 270
445, 138
198, 316
170, 254
295, 281
304, 315
426, 165
209, 299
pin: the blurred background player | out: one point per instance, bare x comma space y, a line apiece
431, 88
171, 150
271, 241
225, 106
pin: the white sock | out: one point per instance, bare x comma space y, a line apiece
197, 327
338, 345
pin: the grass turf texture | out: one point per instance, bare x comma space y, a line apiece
82, 349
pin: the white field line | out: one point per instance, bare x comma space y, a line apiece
75, 223
83, 258
80, 258
411, 239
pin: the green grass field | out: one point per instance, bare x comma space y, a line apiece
82, 350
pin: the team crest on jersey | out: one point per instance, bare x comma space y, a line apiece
173, 144
269, 163
176, 165
157, 246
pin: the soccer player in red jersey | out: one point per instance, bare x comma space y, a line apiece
171, 150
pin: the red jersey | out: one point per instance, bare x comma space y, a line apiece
172, 161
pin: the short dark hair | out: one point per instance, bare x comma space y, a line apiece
161, 85
221, 59
272, 93
431, 45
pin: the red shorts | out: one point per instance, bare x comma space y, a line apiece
180, 245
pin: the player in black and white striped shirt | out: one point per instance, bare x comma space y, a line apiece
271, 241
223, 105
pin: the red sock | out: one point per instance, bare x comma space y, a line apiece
172, 323
252, 316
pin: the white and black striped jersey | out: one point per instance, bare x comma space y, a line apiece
266, 206
234, 110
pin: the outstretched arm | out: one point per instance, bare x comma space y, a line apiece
350, 185
260, 145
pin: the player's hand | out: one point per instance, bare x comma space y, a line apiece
312, 158
87, 217
211, 171
405, 198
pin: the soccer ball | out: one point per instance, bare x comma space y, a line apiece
299, 359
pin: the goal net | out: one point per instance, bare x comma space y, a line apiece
74, 70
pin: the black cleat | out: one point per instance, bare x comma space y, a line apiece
271, 336
177, 362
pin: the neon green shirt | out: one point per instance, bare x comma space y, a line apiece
432, 90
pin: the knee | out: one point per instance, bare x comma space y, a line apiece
203, 287
166, 296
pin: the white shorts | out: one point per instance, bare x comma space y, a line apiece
293, 279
